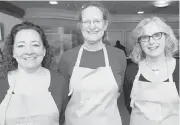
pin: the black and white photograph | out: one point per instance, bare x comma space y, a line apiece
89, 62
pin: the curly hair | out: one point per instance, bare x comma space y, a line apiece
9, 62
105, 12
171, 46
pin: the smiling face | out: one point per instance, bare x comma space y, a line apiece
28, 49
153, 48
93, 25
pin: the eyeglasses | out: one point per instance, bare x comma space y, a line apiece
155, 36
87, 23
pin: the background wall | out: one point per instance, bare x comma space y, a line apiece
7, 22
120, 26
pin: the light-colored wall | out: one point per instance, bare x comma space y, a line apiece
8, 22
120, 26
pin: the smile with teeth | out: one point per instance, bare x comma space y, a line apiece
93, 32
153, 48
29, 58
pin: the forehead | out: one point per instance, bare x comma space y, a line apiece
151, 28
92, 12
27, 34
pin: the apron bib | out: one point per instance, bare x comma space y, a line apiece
94, 94
154, 103
22, 109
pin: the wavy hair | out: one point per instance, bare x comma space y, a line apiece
171, 46
9, 62
105, 38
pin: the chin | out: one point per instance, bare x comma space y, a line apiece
155, 55
93, 41
31, 66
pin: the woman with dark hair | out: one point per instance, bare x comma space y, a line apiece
95, 71
35, 93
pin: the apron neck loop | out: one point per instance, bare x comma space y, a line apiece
170, 75
79, 56
81, 51
106, 56
138, 75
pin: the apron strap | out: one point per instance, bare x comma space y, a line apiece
170, 74
79, 56
106, 56
134, 87
137, 75
8, 95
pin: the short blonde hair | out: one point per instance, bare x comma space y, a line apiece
171, 46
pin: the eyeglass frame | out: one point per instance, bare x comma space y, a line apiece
139, 38
95, 22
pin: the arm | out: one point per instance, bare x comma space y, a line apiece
65, 100
64, 66
4, 86
123, 65
127, 91
63, 69
176, 75
130, 73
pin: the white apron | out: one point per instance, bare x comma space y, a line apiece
154, 103
21, 109
94, 94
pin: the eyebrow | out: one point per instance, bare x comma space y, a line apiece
35, 41
20, 42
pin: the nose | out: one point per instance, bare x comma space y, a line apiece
29, 50
92, 25
151, 40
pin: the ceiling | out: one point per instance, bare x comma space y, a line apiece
114, 7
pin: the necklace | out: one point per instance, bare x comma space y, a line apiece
154, 70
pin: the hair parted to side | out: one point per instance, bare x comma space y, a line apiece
105, 13
171, 46
9, 62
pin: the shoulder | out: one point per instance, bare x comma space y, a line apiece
117, 59
177, 64
116, 54
3, 87
57, 77
176, 70
132, 66
115, 51
58, 82
131, 70
71, 54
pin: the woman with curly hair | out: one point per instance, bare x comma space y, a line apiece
35, 93
151, 83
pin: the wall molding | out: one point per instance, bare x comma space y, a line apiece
11, 9
52, 13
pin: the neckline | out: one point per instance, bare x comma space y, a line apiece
104, 51
143, 79
169, 77
85, 48
93, 51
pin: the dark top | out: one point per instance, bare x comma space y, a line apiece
120, 46
93, 60
130, 74
58, 88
